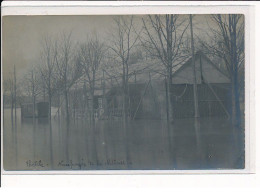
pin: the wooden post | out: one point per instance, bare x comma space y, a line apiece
85, 104
44, 94
104, 90
195, 93
135, 76
146, 87
201, 75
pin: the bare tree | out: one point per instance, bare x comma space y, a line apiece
90, 56
32, 87
228, 45
163, 39
122, 44
48, 57
67, 70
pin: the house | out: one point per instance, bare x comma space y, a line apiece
147, 92
213, 89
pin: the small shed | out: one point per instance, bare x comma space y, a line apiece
213, 88
41, 110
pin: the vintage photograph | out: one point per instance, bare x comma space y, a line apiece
123, 92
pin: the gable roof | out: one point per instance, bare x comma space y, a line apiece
199, 54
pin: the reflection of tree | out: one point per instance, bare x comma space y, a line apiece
8, 94
11, 95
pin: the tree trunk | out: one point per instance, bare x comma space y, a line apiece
93, 127
34, 108
44, 94
92, 111
50, 128
125, 114
170, 119
170, 109
49, 99
67, 107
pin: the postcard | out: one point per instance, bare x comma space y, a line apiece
111, 92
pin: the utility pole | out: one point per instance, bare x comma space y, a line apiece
195, 92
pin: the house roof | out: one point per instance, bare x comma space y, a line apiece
206, 71
197, 55
142, 71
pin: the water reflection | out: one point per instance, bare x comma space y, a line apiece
204, 143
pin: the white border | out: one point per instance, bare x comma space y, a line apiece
124, 8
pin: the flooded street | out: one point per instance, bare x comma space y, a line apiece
207, 143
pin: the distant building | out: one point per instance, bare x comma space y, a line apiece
41, 110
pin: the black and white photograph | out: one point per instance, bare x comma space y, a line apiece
123, 92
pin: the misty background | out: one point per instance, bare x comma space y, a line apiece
22, 34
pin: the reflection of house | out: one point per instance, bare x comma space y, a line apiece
41, 110
213, 88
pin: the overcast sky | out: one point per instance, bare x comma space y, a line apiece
22, 34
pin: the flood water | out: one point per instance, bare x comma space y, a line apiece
206, 143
